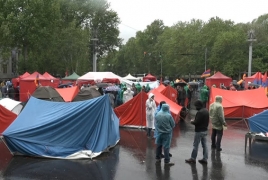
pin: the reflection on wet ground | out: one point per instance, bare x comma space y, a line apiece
134, 158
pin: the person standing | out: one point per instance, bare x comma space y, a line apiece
204, 95
164, 125
201, 122
216, 114
150, 110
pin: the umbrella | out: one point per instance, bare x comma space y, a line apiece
180, 84
193, 83
112, 88
102, 85
70, 84
166, 81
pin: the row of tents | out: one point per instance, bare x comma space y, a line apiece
85, 129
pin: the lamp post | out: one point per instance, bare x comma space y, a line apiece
206, 50
251, 39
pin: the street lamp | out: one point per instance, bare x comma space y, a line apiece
251, 39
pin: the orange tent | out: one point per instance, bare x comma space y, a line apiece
217, 79
241, 104
68, 94
251, 78
6, 118
161, 87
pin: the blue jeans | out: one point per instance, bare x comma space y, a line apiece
200, 136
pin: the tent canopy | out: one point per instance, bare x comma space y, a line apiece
241, 104
48, 76
106, 77
6, 118
130, 77
64, 130
73, 76
218, 78
11, 105
258, 123
68, 94
149, 77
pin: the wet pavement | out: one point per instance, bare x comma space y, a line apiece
134, 158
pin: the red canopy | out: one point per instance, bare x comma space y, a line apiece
6, 118
217, 79
16, 81
149, 77
54, 82
28, 86
241, 104
251, 78
170, 93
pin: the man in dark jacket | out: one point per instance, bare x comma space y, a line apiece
201, 122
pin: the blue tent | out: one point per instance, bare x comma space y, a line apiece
259, 122
74, 130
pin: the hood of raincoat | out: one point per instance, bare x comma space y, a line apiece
165, 107
218, 99
151, 95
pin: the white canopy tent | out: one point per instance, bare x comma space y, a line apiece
152, 85
100, 76
130, 77
12, 105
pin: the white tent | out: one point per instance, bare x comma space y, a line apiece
130, 77
12, 105
100, 76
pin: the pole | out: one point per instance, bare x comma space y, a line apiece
206, 58
94, 55
250, 39
249, 58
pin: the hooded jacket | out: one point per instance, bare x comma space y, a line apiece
201, 120
127, 95
204, 94
150, 104
216, 114
164, 121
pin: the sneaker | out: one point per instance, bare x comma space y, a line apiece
219, 149
162, 156
190, 161
170, 164
202, 161
170, 155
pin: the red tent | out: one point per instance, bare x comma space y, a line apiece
68, 94
174, 107
54, 82
170, 93
6, 118
241, 104
149, 77
16, 81
217, 79
132, 113
28, 86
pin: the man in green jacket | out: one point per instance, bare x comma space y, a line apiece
216, 115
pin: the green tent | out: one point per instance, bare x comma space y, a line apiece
73, 76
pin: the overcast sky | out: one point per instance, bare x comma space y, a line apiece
135, 15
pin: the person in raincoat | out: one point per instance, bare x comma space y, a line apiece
127, 95
150, 110
164, 125
204, 95
216, 115
147, 88
138, 87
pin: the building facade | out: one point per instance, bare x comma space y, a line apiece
8, 68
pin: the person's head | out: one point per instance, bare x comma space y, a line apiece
218, 99
198, 104
165, 107
151, 96
161, 103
